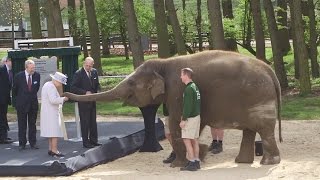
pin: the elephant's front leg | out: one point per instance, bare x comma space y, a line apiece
246, 154
177, 145
150, 143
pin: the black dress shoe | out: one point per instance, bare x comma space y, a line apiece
57, 154
6, 141
96, 144
21, 148
88, 145
34, 146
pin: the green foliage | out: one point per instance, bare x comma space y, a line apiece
10, 10
110, 15
230, 30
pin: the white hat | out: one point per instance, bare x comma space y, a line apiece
58, 76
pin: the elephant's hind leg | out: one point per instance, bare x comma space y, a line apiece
271, 153
246, 154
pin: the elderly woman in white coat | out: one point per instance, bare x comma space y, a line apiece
50, 120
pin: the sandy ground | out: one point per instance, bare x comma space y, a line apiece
300, 153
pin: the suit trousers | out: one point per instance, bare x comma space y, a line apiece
88, 122
3, 121
27, 119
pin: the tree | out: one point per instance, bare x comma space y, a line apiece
133, 33
199, 25
11, 11
215, 18
296, 62
258, 29
94, 34
276, 50
283, 27
300, 48
72, 17
231, 43
176, 27
35, 19
105, 37
162, 29
54, 22
83, 30
313, 52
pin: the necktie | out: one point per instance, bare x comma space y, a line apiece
89, 75
29, 83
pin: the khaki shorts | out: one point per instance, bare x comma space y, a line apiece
192, 128
166, 125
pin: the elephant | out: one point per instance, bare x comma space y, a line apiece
237, 92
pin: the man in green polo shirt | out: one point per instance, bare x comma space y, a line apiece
190, 120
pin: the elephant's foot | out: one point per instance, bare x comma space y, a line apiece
270, 160
203, 151
179, 162
150, 145
244, 159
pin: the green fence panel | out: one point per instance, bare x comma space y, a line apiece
69, 56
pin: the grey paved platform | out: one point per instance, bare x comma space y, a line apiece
10, 155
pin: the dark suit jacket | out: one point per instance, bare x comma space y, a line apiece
24, 98
81, 84
5, 87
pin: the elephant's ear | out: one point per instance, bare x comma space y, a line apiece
157, 87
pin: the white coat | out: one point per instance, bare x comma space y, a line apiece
50, 120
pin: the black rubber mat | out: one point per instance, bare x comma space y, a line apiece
118, 138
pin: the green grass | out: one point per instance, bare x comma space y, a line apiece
303, 108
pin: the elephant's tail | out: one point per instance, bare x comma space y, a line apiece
278, 91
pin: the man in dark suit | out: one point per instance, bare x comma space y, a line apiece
6, 79
25, 87
85, 81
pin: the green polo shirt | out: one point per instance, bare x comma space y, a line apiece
191, 101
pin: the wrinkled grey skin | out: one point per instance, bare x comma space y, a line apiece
237, 92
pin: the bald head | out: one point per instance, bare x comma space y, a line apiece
88, 63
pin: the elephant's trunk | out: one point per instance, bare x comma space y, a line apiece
110, 95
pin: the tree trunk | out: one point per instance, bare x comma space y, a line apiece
198, 25
176, 28
162, 29
105, 42
304, 77
231, 43
215, 18
248, 32
94, 35
73, 21
184, 19
283, 30
258, 30
35, 21
83, 32
55, 26
277, 55
133, 33
313, 52
124, 40
296, 62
